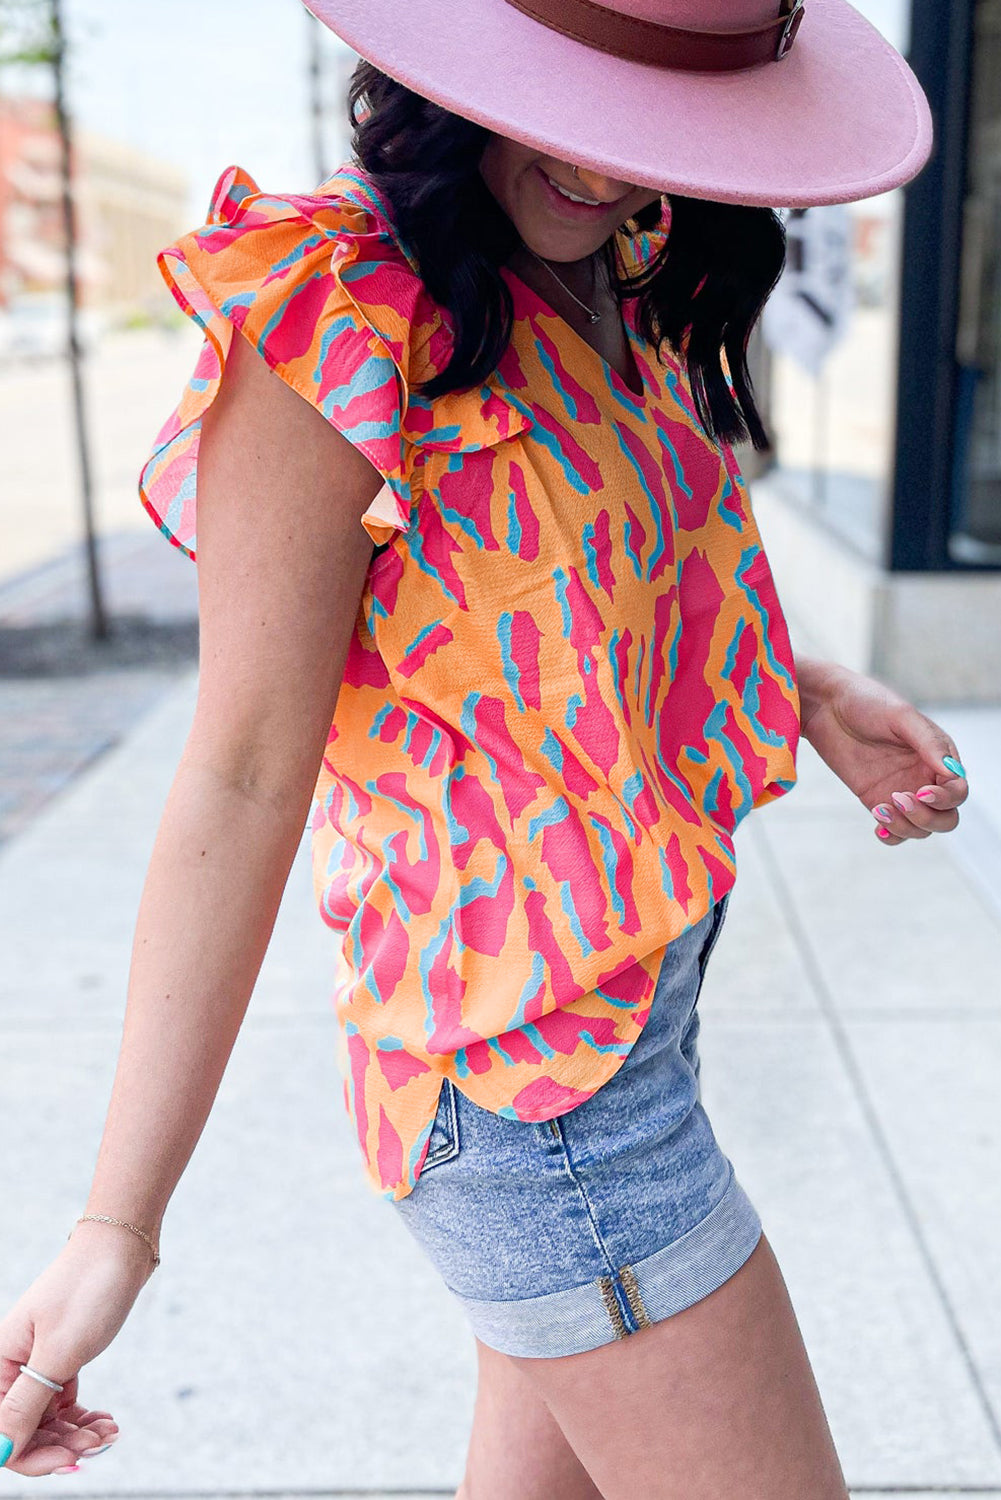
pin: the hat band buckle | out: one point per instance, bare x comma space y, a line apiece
792, 25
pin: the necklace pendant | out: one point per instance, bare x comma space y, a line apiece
595, 317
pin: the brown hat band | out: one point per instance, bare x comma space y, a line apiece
639, 40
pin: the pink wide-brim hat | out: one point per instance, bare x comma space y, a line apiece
838, 117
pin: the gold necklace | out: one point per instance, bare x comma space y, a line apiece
592, 314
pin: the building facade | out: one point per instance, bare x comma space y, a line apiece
128, 206
881, 507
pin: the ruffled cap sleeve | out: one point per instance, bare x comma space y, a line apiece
327, 295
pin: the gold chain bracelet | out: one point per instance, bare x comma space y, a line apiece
107, 1219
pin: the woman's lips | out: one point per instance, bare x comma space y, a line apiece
566, 209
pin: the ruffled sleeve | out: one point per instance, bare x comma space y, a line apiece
327, 295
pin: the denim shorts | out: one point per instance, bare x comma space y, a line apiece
560, 1235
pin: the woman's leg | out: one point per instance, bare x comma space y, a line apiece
516, 1449
717, 1400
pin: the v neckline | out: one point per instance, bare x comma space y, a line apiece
633, 339
617, 381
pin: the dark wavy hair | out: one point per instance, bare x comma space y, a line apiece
702, 293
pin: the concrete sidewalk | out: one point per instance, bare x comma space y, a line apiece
294, 1341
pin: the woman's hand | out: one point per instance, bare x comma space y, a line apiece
892, 756
65, 1318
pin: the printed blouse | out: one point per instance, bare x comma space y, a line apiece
569, 678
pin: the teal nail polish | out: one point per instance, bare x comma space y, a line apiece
952, 764
6, 1448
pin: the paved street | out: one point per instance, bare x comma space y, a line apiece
133, 382
80, 700
294, 1341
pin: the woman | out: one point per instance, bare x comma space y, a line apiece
509, 339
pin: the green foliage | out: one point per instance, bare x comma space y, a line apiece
29, 35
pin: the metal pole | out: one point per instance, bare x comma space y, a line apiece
316, 97
98, 615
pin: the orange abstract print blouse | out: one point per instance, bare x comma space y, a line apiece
569, 679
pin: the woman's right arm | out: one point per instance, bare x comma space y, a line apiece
282, 559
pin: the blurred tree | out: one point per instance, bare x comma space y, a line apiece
23, 33
32, 35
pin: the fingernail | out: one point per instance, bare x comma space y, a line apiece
93, 1452
67, 1469
904, 801
952, 764
882, 833
924, 796
6, 1448
883, 813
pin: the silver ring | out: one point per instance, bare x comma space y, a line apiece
53, 1385
575, 171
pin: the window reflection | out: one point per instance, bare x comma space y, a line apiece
833, 420
976, 529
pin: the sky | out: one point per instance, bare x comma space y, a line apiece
203, 84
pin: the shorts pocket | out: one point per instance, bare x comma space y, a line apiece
444, 1141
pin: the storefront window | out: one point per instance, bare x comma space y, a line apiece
831, 398
976, 521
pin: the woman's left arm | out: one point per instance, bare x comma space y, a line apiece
901, 765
